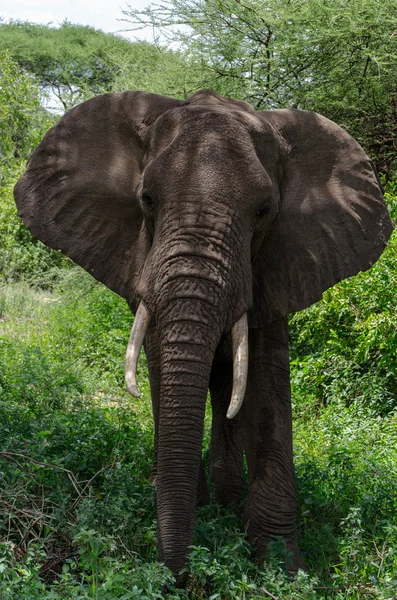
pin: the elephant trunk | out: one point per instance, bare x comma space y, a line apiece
193, 287
240, 357
187, 349
185, 372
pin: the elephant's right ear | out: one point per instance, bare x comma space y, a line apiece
78, 193
332, 220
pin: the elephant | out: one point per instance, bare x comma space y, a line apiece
215, 222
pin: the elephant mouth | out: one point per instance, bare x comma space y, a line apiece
240, 357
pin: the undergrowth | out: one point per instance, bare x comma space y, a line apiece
77, 506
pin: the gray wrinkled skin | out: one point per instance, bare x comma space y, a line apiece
205, 209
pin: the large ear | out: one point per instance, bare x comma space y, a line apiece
78, 193
332, 220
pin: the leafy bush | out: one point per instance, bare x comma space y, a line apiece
78, 509
22, 119
343, 348
75, 62
23, 122
84, 325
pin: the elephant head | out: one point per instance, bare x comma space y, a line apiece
207, 215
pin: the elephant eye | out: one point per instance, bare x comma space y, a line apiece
263, 211
147, 203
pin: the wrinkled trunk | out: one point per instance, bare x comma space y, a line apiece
192, 286
187, 349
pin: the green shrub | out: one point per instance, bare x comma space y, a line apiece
343, 347
56, 336
23, 123
22, 257
77, 451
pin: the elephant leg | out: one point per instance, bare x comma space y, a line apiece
226, 453
266, 419
153, 359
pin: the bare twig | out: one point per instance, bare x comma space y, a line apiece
76, 484
109, 466
267, 593
12, 455
23, 511
341, 588
381, 555
29, 529
129, 552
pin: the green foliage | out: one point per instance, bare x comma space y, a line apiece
346, 469
75, 62
336, 57
154, 68
343, 347
78, 510
22, 120
46, 364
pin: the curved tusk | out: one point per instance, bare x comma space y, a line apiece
240, 365
138, 332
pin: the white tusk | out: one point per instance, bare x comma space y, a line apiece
138, 332
240, 365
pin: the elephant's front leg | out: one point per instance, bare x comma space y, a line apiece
152, 349
266, 419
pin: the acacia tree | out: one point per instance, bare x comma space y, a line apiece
23, 121
75, 62
71, 61
337, 57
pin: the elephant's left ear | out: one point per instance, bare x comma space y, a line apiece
79, 191
332, 220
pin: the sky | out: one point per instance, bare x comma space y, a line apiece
101, 14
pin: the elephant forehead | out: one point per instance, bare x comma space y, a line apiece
217, 146
202, 127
